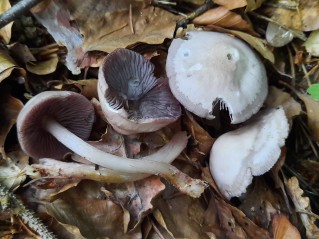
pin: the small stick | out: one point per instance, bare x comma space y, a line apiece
16, 11
9, 201
189, 17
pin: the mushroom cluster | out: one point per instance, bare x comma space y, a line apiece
207, 68
55, 122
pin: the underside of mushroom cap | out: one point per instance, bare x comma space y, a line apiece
207, 67
132, 98
70, 109
249, 151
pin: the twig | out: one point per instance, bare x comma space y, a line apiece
189, 17
9, 201
16, 11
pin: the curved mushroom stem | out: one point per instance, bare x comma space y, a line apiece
149, 164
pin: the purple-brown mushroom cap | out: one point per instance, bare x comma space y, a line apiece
71, 110
132, 98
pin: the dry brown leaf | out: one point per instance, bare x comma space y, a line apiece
202, 141
277, 97
222, 17
304, 18
264, 200
9, 110
86, 208
43, 67
259, 44
253, 4
283, 229
87, 87
231, 4
183, 216
302, 205
312, 43
249, 227
7, 65
104, 26
137, 197
5, 32
21, 53
312, 107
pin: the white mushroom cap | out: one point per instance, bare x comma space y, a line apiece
211, 66
249, 151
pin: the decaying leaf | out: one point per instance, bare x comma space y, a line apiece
43, 67
312, 43
8, 65
259, 44
253, 4
104, 26
302, 205
9, 110
87, 87
312, 107
277, 97
183, 216
5, 32
304, 18
231, 4
95, 216
202, 141
283, 229
222, 17
137, 197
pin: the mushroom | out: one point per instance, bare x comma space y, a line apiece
249, 151
54, 121
132, 98
208, 67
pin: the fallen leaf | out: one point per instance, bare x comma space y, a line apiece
312, 107
87, 87
183, 216
201, 140
5, 32
86, 208
259, 44
8, 65
302, 205
43, 67
104, 26
9, 110
304, 18
283, 229
137, 197
312, 43
231, 4
21, 52
222, 17
277, 97
253, 4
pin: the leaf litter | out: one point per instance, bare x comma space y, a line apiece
80, 200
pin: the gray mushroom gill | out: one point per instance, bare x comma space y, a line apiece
132, 98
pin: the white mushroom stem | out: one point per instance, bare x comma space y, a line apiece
193, 187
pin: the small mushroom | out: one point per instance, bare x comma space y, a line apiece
249, 151
54, 121
132, 98
208, 67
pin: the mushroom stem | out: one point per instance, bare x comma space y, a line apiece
149, 164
